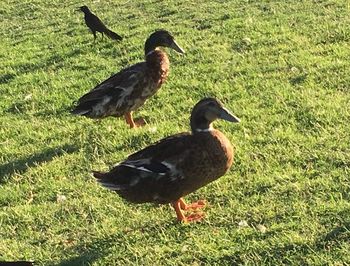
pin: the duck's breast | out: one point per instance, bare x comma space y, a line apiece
209, 157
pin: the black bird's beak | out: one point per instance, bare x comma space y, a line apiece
176, 47
228, 116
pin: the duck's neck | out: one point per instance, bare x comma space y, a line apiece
158, 66
200, 124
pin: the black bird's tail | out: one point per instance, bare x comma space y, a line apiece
113, 35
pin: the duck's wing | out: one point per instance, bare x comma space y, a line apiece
157, 163
113, 94
164, 148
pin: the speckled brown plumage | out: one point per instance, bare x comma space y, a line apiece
177, 165
127, 90
158, 67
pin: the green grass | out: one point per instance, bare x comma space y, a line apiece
281, 66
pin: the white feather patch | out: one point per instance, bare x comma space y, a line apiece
126, 91
82, 112
204, 130
141, 168
122, 97
110, 186
172, 168
100, 107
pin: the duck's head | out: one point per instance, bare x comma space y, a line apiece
206, 111
161, 38
84, 9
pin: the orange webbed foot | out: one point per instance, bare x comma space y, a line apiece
180, 206
193, 206
195, 217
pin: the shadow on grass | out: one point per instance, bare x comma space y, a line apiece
55, 59
298, 80
5, 78
64, 111
22, 107
22, 164
336, 237
91, 252
101, 247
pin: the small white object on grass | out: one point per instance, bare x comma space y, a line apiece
28, 97
262, 228
243, 223
152, 129
60, 198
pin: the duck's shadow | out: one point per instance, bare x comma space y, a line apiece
22, 164
101, 247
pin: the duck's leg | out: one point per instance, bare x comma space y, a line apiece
139, 122
195, 205
129, 120
181, 217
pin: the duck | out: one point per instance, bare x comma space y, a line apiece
127, 90
96, 25
175, 166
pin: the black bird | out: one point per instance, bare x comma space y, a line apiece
95, 24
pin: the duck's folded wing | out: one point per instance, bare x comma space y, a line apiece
114, 90
155, 164
164, 148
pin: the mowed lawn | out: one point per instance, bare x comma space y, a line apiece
281, 66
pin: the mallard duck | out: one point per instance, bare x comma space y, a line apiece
127, 90
177, 165
96, 25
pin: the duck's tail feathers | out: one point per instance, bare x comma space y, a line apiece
98, 175
113, 35
84, 108
78, 111
107, 181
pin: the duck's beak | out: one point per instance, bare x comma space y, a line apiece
228, 116
176, 47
